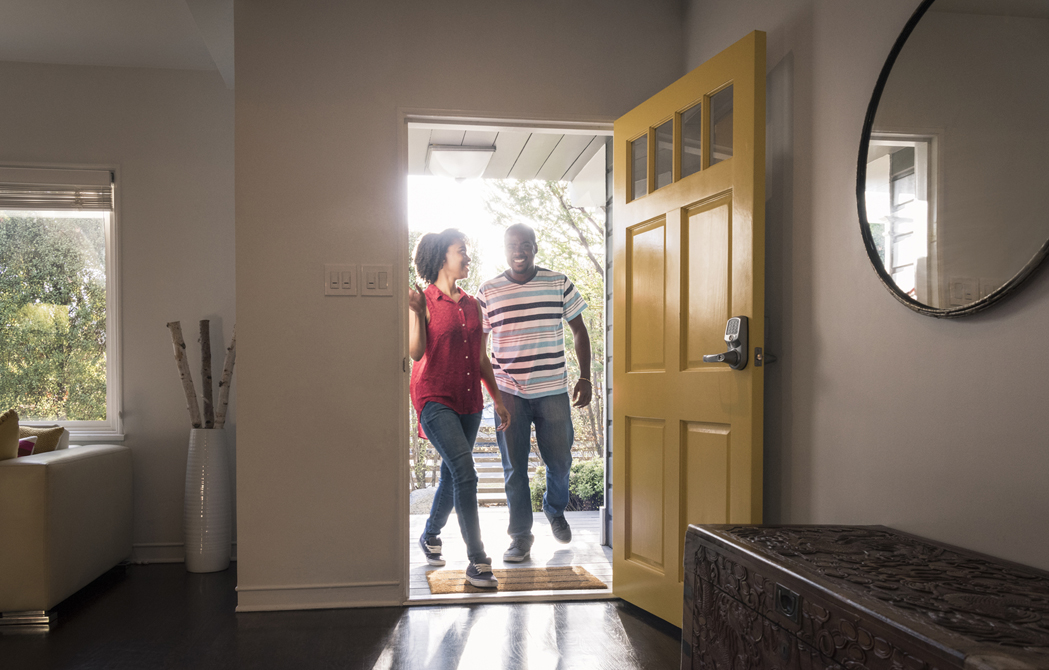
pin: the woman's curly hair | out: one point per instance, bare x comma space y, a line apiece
431, 251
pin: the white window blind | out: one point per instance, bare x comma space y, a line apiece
51, 189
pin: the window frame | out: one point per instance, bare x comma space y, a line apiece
112, 428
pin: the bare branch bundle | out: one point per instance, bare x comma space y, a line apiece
205, 373
227, 377
184, 373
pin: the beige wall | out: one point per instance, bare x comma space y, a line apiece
321, 492
171, 135
876, 414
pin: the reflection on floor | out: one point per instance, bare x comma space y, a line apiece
160, 616
585, 550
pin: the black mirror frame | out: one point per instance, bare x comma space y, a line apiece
1008, 288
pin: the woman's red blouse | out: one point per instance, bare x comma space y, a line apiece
450, 371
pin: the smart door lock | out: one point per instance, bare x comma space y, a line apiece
736, 338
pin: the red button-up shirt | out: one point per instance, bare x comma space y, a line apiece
450, 371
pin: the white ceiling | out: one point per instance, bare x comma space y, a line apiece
175, 34
519, 154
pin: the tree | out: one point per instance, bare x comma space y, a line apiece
53, 317
571, 240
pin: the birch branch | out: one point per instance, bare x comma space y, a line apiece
227, 377
579, 233
205, 373
184, 373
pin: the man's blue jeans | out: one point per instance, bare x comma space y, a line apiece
453, 436
552, 416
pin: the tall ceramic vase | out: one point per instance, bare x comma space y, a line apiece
208, 518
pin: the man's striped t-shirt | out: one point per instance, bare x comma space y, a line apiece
528, 338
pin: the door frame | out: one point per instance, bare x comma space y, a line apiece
461, 120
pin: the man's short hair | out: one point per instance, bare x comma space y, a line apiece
432, 250
520, 229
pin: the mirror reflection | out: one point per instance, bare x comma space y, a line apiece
957, 177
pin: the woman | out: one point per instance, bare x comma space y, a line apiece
446, 343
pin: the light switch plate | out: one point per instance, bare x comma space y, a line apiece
377, 280
340, 279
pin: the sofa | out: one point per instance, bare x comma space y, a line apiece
65, 519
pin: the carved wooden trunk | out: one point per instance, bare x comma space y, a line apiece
856, 598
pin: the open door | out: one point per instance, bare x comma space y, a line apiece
689, 230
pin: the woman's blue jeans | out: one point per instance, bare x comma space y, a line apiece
453, 436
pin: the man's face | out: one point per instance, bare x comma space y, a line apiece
520, 253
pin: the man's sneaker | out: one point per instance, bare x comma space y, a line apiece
559, 527
480, 575
432, 548
518, 550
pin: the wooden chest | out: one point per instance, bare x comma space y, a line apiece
856, 598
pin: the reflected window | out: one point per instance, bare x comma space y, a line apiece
897, 196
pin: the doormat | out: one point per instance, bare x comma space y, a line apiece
517, 579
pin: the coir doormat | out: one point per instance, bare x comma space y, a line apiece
517, 579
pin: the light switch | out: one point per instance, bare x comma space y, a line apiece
340, 280
378, 280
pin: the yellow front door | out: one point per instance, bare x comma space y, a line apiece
689, 229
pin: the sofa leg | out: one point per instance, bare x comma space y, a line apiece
33, 618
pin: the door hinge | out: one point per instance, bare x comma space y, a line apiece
404, 365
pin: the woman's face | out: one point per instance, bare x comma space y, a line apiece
457, 261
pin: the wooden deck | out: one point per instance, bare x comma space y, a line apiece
585, 550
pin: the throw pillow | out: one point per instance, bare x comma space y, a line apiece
8, 435
26, 446
48, 439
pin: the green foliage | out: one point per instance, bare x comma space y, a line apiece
53, 317
586, 486
571, 240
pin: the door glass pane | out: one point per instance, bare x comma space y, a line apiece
691, 140
721, 125
665, 154
639, 166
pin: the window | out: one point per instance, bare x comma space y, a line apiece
58, 303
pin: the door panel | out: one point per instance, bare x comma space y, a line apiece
688, 255
646, 296
706, 289
644, 543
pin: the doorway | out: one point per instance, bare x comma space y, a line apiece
481, 177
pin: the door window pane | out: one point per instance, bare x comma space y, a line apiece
721, 126
691, 140
665, 154
639, 166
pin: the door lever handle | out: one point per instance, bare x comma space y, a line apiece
730, 357
736, 341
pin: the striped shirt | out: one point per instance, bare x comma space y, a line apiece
528, 338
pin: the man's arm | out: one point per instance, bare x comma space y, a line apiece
584, 388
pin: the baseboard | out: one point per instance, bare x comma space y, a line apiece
144, 553
319, 596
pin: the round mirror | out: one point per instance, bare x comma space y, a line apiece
953, 173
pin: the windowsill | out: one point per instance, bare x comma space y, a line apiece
77, 437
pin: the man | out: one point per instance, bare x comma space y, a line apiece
523, 309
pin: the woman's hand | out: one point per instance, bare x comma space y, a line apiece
504, 416
417, 301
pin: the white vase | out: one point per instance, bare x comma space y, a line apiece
207, 519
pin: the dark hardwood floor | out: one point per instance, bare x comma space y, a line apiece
160, 616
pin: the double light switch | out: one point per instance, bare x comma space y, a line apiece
375, 280
340, 280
